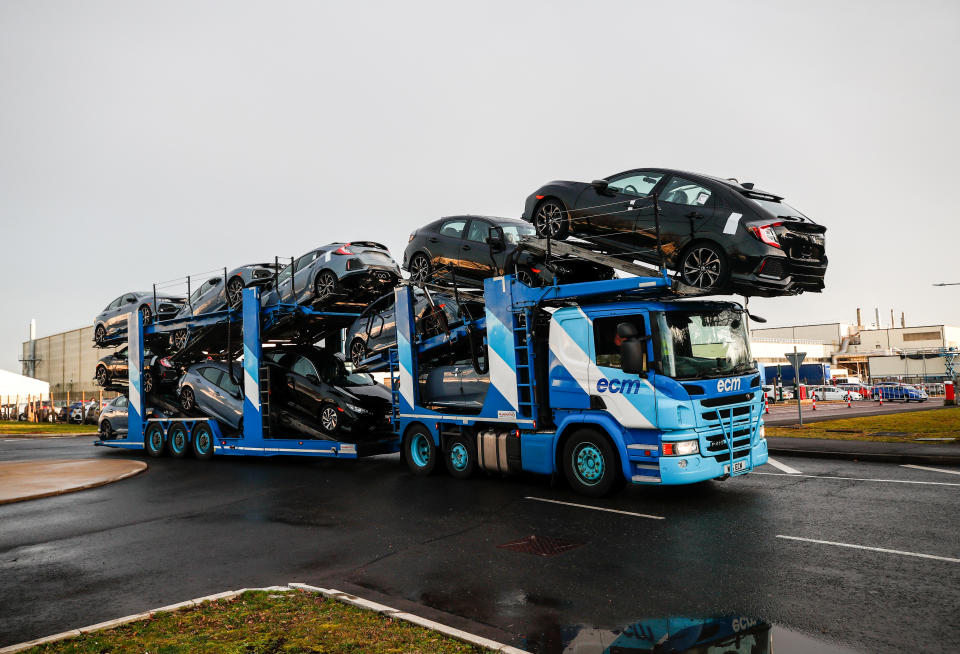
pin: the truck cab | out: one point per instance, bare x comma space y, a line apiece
695, 408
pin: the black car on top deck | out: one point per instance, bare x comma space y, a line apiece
717, 234
472, 248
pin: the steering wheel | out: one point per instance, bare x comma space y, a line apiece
630, 188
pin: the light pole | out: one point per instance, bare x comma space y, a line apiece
948, 358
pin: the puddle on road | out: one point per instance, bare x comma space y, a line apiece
723, 635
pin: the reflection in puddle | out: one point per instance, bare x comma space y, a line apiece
723, 635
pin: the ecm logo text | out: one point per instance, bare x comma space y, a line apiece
624, 386
728, 384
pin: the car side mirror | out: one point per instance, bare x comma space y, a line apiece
131, 300
600, 185
215, 280
496, 240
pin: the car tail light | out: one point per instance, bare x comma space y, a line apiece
165, 362
536, 270
343, 249
540, 197
766, 234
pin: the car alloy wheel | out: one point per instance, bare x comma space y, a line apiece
325, 285
551, 220
702, 267
186, 399
102, 377
180, 339
147, 381
419, 268
358, 352
235, 292
329, 418
526, 278
145, 315
99, 334
105, 430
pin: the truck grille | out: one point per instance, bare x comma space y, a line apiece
717, 443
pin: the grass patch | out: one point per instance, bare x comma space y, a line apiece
886, 428
28, 428
266, 622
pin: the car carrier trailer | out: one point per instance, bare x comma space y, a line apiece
586, 381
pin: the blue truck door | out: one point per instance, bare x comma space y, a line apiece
629, 398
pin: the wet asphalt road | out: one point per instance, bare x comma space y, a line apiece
189, 528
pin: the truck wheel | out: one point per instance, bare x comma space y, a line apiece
461, 457
202, 443
420, 451
590, 463
179, 440
153, 440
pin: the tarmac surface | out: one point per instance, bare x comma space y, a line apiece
849, 554
27, 480
786, 413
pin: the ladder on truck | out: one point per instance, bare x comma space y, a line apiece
523, 346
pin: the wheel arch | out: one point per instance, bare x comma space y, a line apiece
606, 426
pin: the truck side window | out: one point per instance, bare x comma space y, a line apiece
606, 341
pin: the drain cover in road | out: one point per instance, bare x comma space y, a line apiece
540, 545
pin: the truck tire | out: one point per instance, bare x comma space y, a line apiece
461, 457
420, 451
153, 440
202, 441
590, 463
179, 440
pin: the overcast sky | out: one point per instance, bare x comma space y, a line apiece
144, 141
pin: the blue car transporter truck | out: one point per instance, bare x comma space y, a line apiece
604, 383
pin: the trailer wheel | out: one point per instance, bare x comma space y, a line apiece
461, 457
179, 440
590, 463
153, 440
420, 451
202, 443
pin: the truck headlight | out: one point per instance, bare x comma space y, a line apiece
356, 409
762, 433
681, 448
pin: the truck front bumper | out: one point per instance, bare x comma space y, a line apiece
675, 470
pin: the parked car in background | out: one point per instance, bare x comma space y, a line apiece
317, 384
473, 248
113, 319
897, 391
821, 393
864, 391
157, 370
209, 387
360, 269
375, 331
113, 417
719, 235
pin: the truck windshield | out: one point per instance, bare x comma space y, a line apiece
703, 344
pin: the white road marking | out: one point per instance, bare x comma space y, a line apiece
596, 508
949, 472
782, 466
889, 481
872, 549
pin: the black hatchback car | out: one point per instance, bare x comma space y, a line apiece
318, 384
717, 234
473, 248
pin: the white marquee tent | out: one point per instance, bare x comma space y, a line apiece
13, 386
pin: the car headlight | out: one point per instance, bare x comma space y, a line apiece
681, 448
357, 409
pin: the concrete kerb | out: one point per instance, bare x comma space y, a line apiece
874, 457
346, 598
382, 609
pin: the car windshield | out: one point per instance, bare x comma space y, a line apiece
512, 232
343, 377
778, 209
699, 345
